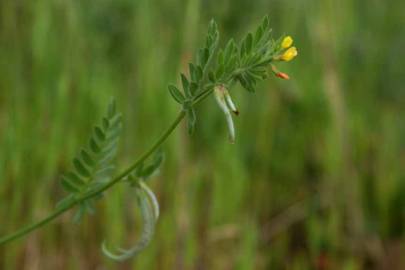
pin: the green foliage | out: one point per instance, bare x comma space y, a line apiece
193, 86
246, 63
145, 171
94, 165
64, 58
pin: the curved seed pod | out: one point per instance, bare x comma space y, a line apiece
230, 103
221, 96
149, 214
152, 198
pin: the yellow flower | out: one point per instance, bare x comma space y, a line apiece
287, 42
289, 54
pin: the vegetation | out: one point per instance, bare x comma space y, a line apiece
313, 180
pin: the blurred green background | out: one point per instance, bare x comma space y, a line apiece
315, 180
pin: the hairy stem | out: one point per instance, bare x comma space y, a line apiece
25, 230
251, 56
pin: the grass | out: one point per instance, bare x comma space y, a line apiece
315, 173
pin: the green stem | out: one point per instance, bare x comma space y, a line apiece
25, 230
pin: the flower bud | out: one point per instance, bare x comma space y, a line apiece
279, 74
287, 42
283, 75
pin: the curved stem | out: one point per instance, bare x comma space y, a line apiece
25, 230
142, 158
205, 92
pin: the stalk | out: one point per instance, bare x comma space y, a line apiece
27, 229
246, 64
32, 227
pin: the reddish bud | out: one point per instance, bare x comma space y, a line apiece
283, 75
